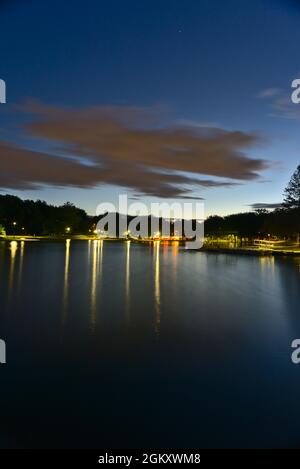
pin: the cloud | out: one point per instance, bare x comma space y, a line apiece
281, 103
261, 205
285, 108
269, 93
129, 147
190, 197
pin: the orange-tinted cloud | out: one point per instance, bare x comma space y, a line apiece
128, 147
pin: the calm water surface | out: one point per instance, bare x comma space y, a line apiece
124, 345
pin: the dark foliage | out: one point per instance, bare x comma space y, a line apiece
292, 191
261, 223
38, 218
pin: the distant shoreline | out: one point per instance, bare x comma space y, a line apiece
252, 252
247, 250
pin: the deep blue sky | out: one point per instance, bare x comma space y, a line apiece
207, 62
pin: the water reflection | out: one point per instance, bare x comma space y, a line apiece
127, 282
289, 287
96, 270
267, 263
89, 251
93, 285
66, 281
13, 251
175, 248
157, 288
100, 247
224, 314
22, 247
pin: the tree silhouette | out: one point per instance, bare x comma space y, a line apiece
292, 191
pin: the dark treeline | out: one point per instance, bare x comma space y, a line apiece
261, 223
282, 222
38, 218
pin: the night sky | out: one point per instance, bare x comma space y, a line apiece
163, 100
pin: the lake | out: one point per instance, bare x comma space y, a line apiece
123, 345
